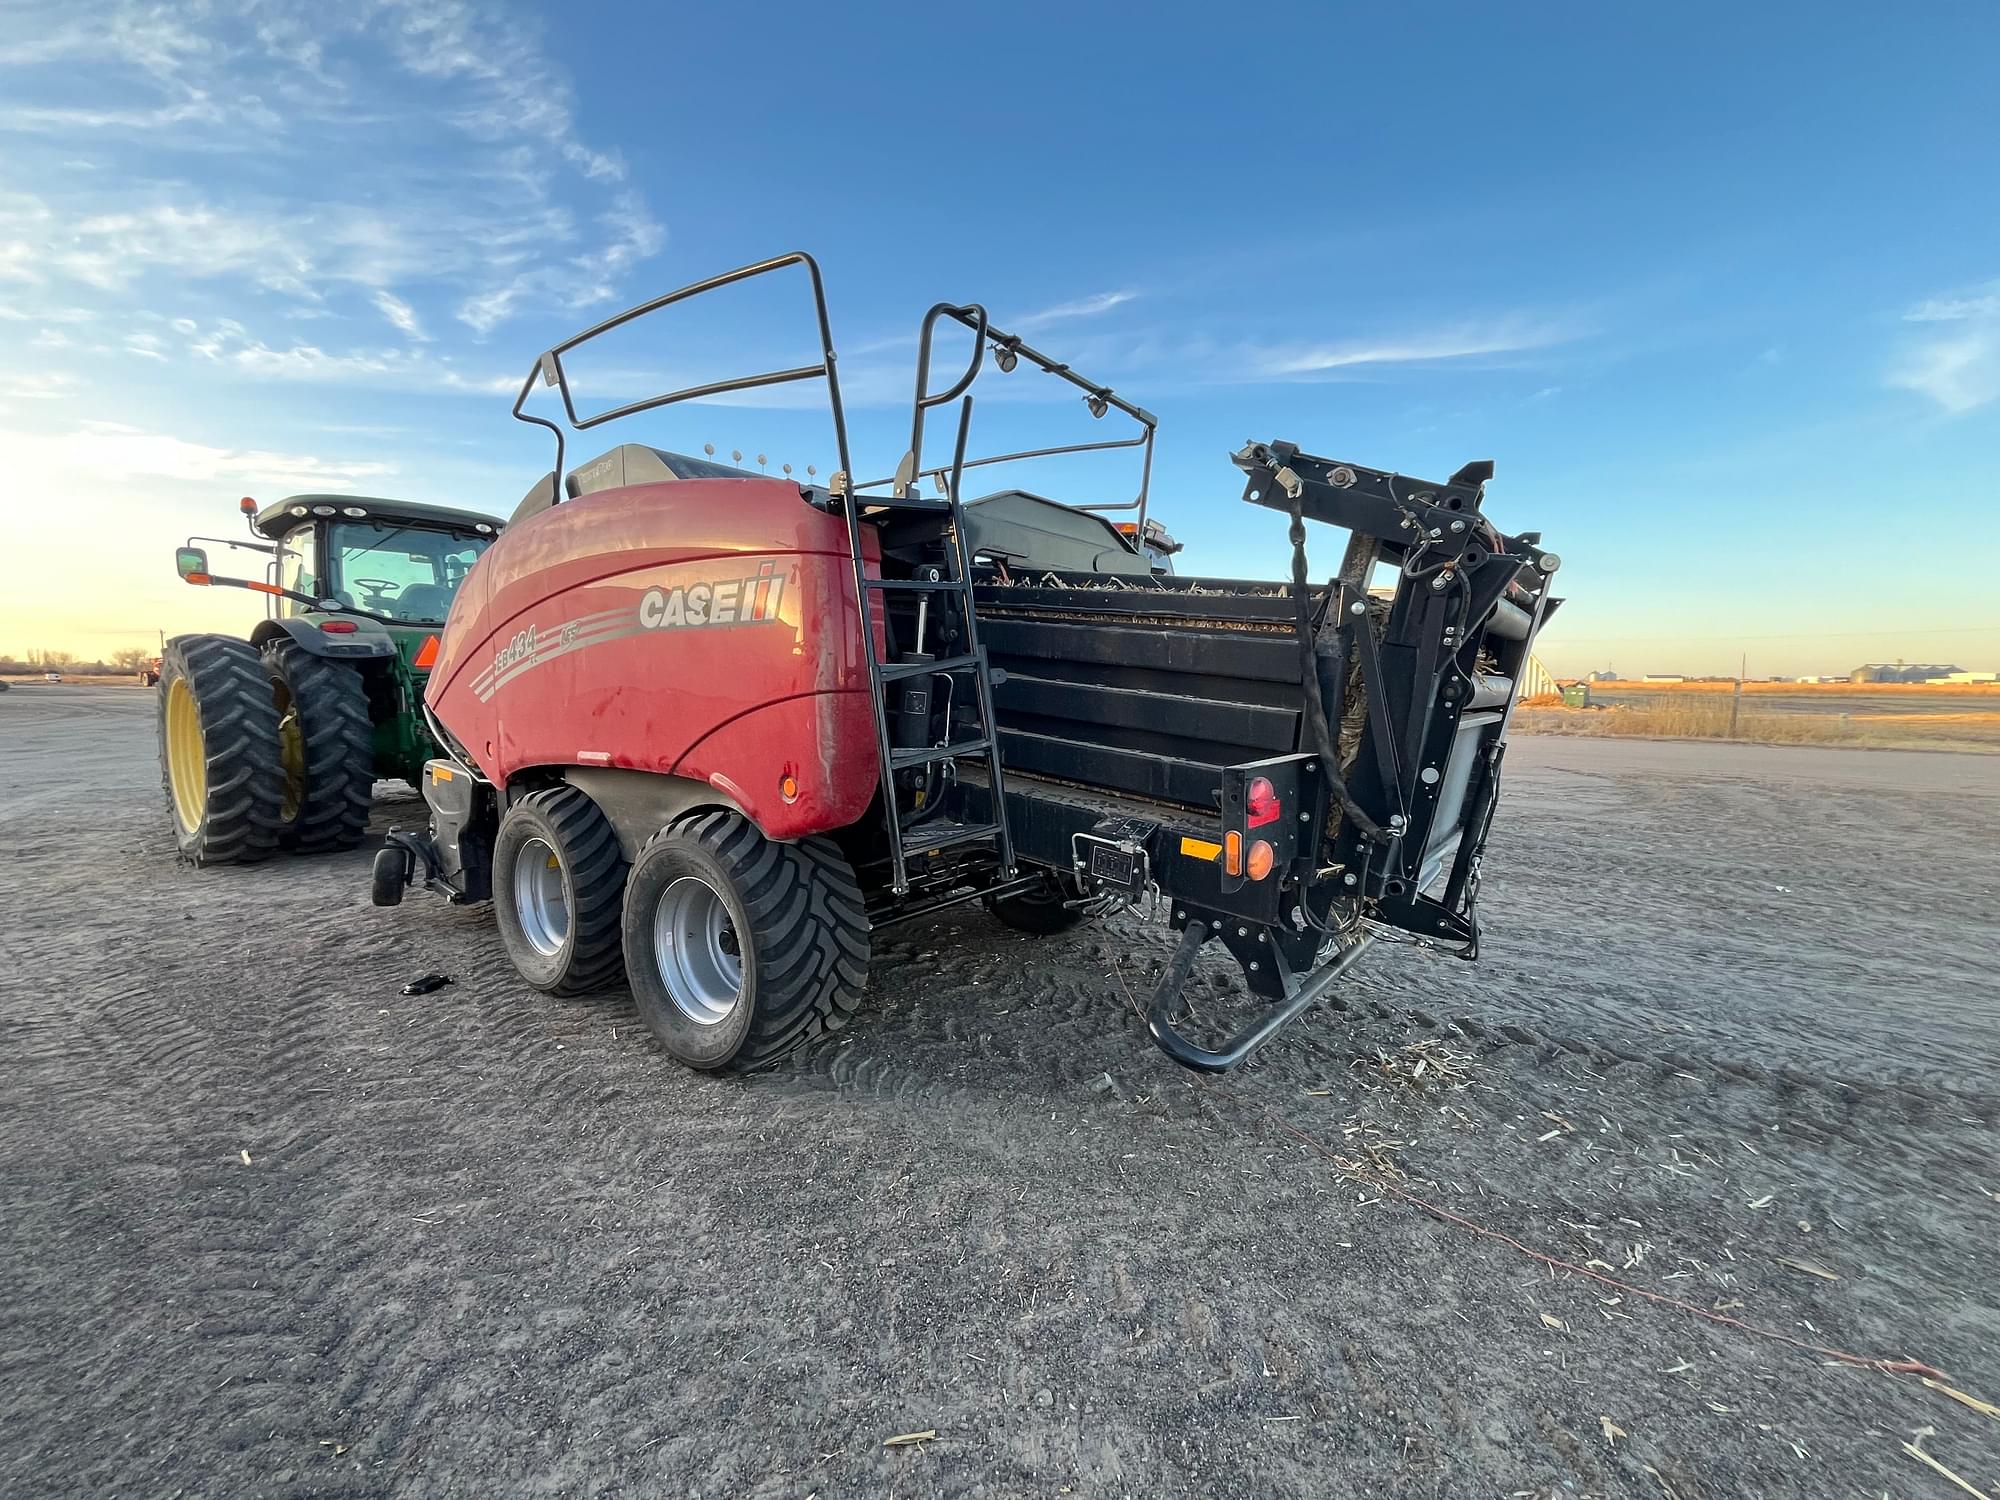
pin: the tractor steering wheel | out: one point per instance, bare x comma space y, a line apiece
377, 585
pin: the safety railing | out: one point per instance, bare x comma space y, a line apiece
549, 369
1007, 350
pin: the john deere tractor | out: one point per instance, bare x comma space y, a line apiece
276, 742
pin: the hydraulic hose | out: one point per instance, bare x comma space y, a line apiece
1322, 736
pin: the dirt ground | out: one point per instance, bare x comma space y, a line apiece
272, 1228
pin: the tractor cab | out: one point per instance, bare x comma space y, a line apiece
394, 560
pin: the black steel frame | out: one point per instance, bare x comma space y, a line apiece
549, 367
1440, 670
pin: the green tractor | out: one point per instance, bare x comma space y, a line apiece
276, 742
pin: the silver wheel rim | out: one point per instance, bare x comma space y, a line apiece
540, 901
696, 948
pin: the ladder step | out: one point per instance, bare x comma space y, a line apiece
895, 669
915, 583
901, 758
942, 835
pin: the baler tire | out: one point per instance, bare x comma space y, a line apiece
325, 705
219, 764
800, 930
1040, 912
591, 871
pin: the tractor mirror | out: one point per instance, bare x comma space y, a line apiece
192, 564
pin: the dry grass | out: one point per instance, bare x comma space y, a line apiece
1708, 716
1856, 690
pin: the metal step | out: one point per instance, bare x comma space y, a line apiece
924, 757
917, 583
895, 669
900, 502
931, 836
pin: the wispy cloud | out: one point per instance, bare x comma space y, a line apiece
507, 205
631, 235
400, 314
1082, 307
1958, 369
232, 348
1959, 374
1467, 341
115, 452
49, 386
1977, 305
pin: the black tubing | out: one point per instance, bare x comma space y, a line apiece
1322, 737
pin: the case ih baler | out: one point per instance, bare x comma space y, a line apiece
710, 728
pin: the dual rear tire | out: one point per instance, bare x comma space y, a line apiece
262, 750
738, 950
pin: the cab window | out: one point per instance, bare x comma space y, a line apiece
295, 569
405, 573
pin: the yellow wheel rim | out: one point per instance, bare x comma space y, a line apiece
291, 750
187, 756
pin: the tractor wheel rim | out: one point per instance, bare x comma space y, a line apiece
696, 948
291, 751
187, 756
540, 899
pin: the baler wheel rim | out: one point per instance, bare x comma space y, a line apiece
697, 950
541, 897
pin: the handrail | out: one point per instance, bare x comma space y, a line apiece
1009, 348
549, 367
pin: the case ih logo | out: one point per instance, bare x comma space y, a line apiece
739, 601
693, 606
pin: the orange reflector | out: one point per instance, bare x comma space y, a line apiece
1262, 857
265, 588
441, 773
1232, 852
427, 653
194, 578
789, 788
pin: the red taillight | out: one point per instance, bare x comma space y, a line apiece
1261, 801
337, 627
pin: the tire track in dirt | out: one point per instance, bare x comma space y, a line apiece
488, 1233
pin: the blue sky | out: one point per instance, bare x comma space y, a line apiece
1718, 288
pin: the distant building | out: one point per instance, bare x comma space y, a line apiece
1972, 677
1901, 671
1607, 675
1664, 677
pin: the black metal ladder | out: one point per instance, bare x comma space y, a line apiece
952, 583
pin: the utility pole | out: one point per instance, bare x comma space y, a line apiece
1736, 698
